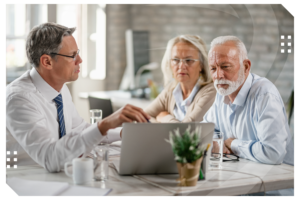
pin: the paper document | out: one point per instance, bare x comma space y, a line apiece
85, 191
36, 188
46, 188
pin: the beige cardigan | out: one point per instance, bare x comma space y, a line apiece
165, 101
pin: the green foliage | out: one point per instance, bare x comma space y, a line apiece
186, 147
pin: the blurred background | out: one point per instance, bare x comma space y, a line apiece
113, 58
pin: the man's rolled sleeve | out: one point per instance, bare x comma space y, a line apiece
235, 146
242, 148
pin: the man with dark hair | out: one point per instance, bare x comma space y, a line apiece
42, 124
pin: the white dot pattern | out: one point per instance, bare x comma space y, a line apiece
10, 159
282, 44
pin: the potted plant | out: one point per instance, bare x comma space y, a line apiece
188, 152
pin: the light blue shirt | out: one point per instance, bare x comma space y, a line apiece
256, 118
181, 105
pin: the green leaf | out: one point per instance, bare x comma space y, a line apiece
186, 147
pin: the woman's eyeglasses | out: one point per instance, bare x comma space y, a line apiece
187, 62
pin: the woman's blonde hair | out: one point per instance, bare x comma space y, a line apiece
198, 43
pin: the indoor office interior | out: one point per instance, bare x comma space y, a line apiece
101, 37
105, 32
122, 47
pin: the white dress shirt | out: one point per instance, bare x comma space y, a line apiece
32, 127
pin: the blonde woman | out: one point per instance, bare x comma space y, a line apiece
189, 91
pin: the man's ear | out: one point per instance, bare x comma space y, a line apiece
247, 66
46, 62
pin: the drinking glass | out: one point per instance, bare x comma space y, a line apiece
101, 169
95, 115
216, 157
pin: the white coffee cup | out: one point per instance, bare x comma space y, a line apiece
82, 170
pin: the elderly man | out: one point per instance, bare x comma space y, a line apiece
248, 109
42, 124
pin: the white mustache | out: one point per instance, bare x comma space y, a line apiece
222, 81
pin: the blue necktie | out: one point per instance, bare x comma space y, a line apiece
60, 114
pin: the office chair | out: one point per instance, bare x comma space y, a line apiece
103, 104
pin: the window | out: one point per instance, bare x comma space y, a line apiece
66, 15
90, 34
20, 18
94, 41
15, 41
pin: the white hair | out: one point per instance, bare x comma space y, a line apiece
238, 43
233, 85
199, 44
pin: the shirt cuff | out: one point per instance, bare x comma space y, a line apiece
91, 135
242, 148
114, 135
235, 146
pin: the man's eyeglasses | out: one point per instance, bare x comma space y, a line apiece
74, 57
226, 157
187, 62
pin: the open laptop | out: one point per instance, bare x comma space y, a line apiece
145, 151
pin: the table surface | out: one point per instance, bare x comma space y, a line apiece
236, 178
118, 98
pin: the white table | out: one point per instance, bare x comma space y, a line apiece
231, 180
121, 185
118, 98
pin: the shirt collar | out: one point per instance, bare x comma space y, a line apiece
42, 86
190, 98
242, 95
226, 100
177, 93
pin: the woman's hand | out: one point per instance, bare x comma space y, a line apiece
161, 115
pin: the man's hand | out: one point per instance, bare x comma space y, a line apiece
128, 113
161, 115
227, 144
225, 150
216, 148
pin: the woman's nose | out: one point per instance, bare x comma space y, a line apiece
181, 64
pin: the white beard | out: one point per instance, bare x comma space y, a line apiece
232, 85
